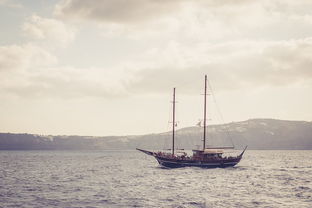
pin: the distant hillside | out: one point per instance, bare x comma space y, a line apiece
256, 133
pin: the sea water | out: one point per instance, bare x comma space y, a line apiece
133, 179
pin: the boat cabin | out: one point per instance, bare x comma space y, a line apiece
208, 153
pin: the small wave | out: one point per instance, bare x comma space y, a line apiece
304, 188
197, 204
256, 203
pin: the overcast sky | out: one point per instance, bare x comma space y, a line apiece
90, 67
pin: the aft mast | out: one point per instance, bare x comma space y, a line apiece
205, 101
173, 120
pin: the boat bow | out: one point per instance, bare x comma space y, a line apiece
146, 152
241, 154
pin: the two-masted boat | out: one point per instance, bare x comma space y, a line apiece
207, 157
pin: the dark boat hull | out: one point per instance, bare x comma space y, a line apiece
172, 163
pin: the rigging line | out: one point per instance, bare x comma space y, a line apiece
177, 132
167, 134
176, 123
176, 136
219, 112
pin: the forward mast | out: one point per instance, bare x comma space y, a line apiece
173, 120
205, 114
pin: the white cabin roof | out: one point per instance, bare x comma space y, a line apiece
211, 151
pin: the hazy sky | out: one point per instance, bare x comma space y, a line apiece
90, 67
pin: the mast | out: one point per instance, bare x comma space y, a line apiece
173, 120
205, 101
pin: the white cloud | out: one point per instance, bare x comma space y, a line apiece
22, 57
28, 70
70, 82
118, 11
18, 61
195, 20
234, 43
31, 71
129, 51
197, 38
233, 65
48, 29
10, 4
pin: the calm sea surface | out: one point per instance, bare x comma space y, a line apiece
132, 179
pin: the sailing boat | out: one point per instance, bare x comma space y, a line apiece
207, 157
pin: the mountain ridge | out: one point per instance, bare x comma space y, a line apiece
259, 133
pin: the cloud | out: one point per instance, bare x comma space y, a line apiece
181, 41
67, 83
10, 4
229, 66
190, 22
123, 12
30, 71
48, 29
18, 61
232, 65
117, 11
15, 58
